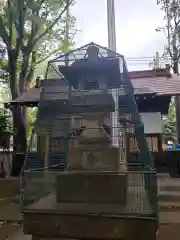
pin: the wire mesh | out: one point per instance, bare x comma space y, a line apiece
40, 194
65, 65
78, 153
40, 176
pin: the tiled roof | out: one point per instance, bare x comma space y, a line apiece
162, 72
161, 85
32, 95
144, 82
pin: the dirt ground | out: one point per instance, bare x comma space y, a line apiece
7, 229
14, 231
9, 211
11, 230
169, 231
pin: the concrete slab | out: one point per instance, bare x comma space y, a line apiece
169, 217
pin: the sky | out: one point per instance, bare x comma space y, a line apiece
136, 21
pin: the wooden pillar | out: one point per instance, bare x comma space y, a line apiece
123, 151
160, 142
160, 154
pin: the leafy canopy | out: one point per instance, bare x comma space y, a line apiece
32, 31
171, 28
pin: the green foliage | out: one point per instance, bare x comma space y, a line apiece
169, 123
171, 28
31, 31
31, 118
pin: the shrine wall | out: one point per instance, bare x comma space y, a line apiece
152, 122
153, 130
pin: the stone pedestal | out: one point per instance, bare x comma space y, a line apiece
93, 157
91, 187
92, 150
93, 169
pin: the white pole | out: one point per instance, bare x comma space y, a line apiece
67, 29
111, 25
112, 46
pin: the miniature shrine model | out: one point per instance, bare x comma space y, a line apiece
97, 196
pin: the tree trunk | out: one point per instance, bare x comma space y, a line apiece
19, 136
20, 142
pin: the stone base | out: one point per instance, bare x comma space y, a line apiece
95, 158
56, 226
91, 187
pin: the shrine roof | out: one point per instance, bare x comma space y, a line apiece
158, 82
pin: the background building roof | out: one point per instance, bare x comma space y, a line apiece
158, 82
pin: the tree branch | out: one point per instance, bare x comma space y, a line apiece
20, 28
34, 29
46, 57
53, 23
169, 51
23, 73
31, 69
10, 22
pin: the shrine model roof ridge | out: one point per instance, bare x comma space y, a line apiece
104, 52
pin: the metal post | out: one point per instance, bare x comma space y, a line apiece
67, 64
67, 29
112, 46
111, 25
